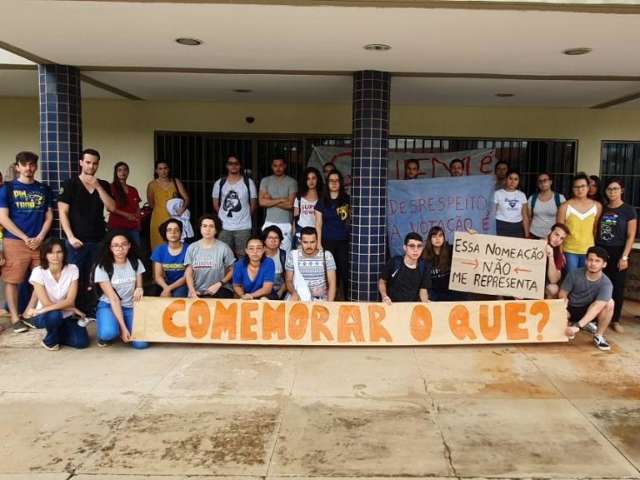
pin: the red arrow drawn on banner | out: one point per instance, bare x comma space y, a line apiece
519, 269
475, 264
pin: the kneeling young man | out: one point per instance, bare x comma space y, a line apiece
589, 292
405, 278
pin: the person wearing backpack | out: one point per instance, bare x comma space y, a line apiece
235, 200
543, 207
405, 277
118, 273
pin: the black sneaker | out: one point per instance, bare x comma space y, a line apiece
51, 348
29, 323
601, 343
20, 327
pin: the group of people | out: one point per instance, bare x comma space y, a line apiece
589, 240
299, 253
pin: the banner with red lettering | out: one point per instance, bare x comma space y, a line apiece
262, 322
476, 162
454, 204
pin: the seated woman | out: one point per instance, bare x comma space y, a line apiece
437, 255
556, 262
55, 286
168, 261
253, 274
119, 274
272, 239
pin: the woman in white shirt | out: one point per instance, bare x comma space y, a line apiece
309, 191
512, 214
52, 306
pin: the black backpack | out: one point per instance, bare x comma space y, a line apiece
223, 180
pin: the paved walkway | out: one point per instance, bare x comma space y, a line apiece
543, 411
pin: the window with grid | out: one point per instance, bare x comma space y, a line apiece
622, 160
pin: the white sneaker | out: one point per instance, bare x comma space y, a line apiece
83, 322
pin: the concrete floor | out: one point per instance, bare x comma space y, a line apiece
541, 411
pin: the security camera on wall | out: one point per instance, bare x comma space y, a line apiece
250, 120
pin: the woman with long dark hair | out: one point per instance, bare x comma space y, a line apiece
595, 193
556, 261
126, 216
580, 214
168, 261
437, 256
333, 219
512, 214
254, 273
119, 274
159, 192
309, 191
617, 230
272, 239
52, 306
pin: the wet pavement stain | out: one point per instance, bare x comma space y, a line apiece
191, 441
623, 424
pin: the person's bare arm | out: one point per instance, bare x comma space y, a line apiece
68, 302
109, 202
382, 288
289, 283
319, 226
188, 275
216, 204
553, 274
184, 194
116, 308
526, 220
150, 197
562, 213
63, 212
331, 279
424, 295
632, 228
265, 200
9, 225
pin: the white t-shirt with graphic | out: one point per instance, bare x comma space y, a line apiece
509, 205
123, 281
235, 203
307, 212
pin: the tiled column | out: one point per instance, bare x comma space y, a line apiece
60, 125
371, 91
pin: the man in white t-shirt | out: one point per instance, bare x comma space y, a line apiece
235, 201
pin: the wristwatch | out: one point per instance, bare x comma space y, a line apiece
625, 258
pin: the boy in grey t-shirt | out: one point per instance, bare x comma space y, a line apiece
277, 194
588, 293
209, 263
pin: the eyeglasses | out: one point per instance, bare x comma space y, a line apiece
613, 189
414, 245
118, 246
580, 186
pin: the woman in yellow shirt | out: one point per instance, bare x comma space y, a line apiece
580, 214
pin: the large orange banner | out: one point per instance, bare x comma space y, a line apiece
258, 322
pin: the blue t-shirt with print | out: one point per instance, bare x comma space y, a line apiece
266, 273
173, 265
27, 206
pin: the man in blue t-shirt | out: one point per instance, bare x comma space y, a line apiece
26, 215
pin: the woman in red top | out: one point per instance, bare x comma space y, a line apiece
126, 216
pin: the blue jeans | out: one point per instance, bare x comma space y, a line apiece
180, 292
574, 260
62, 331
108, 328
83, 258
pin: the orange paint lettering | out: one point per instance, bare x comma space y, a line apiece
199, 319
169, 327
298, 320
514, 315
541, 308
490, 329
376, 331
459, 323
225, 321
346, 328
421, 323
248, 321
273, 321
319, 316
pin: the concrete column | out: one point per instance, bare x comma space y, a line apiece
60, 125
370, 139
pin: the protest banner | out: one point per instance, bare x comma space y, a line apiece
454, 203
263, 322
498, 265
431, 165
